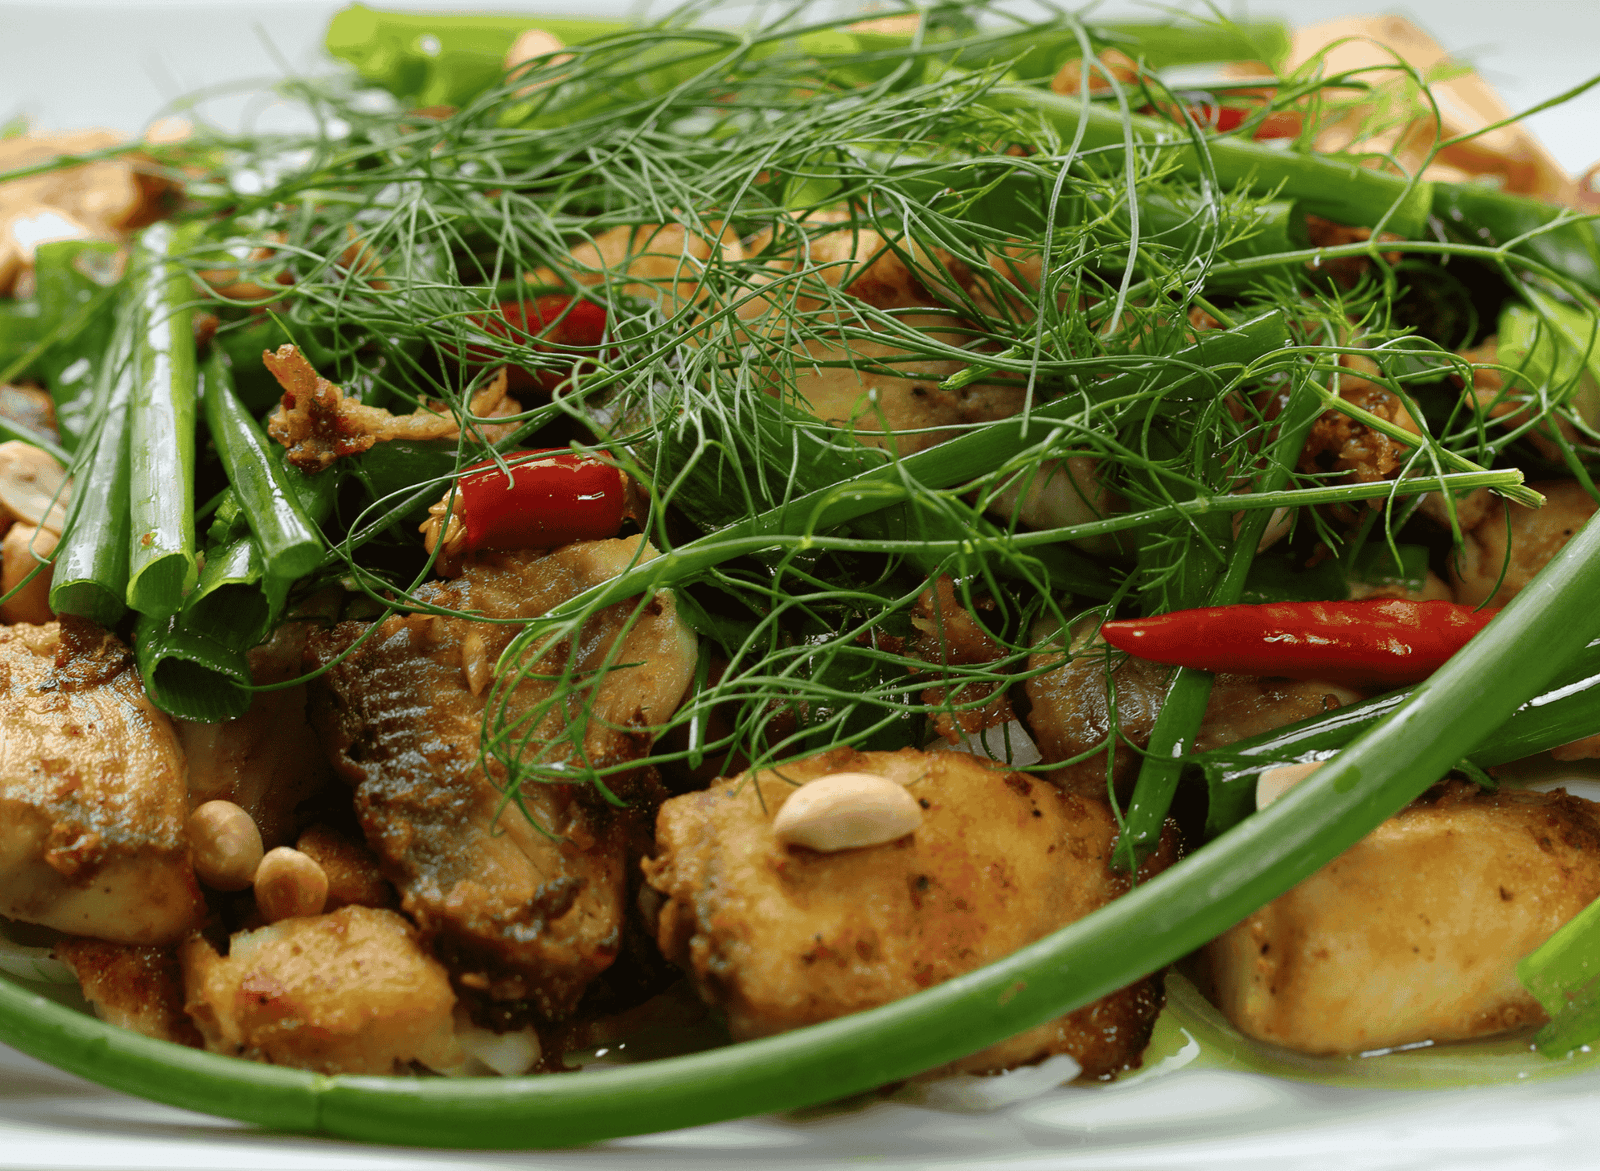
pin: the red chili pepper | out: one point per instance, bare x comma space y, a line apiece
552, 498
583, 325
1223, 119
1385, 641
542, 322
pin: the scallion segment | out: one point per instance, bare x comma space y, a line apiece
189, 675
234, 603
161, 560
90, 575
1564, 977
290, 544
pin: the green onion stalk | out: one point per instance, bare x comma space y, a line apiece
263, 540
161, 560
189, 674
290, 544
90, 574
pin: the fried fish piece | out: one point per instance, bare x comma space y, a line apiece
527, 899
1414, 933
353, 991
93, 805
780, 937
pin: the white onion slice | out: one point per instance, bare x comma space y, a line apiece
1007, 743
32, 963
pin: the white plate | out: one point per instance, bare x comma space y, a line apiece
117, 62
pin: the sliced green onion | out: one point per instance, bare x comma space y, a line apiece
1338, 188
187, 674
161, 562
1569, 710
290, 543
90, 574
1564, 977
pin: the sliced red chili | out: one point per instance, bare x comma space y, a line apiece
557, 319
546, 322
1385, 641
1221, 119
550, 499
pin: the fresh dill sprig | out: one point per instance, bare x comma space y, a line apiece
718, 191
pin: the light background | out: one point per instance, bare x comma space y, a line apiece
117, 62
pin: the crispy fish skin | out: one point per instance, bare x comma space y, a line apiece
1414, 933
525, 906
782, 936
93, 801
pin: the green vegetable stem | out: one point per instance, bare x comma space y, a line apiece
290, 544
1567, 711
161, 562
188, 674
1564, 976
90, 575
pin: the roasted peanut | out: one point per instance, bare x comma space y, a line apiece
21, 551
33, 487
845, 811
289, 885
226, 845
1276, 781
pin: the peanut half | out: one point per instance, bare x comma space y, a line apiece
1274, 782
845, 811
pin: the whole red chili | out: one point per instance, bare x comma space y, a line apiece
1385, 641
551, 498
